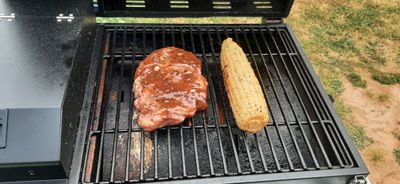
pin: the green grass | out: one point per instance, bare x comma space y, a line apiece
358, 136
398, 59
373, 54
386, 78
356, 80
333, 86
365, 18
345, 36
396, 153
341, 37
337, 24
343, 111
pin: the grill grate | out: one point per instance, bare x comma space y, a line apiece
300, 136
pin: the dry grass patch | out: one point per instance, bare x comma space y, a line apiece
379, 97
377, 156
396, 133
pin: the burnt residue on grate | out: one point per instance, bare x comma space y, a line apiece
300, 136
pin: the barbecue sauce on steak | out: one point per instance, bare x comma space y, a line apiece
168, 87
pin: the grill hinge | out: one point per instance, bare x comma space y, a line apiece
359, 179
61, 17
7, 17
265, 20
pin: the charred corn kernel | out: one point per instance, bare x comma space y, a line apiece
245, 95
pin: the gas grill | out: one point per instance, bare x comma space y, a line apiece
94, 133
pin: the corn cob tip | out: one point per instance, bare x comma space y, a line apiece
254, 125
229, 39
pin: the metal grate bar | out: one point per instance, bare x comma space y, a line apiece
333, 137
107, 96
263, 87
181, 126
169, 139
308, 117
204, 119
315, 96
273, 119
95, 132
287, 123
141, 176
226, 106
213, 98
173, 35
296, 116
312, 87
291, 80
116, 126
319, 117
290, 104
277, 164
163, 36
261, 153
342, 150
156, 131
87, 168
198, 173
130, 114
258, 143
243, 137
170, 170
313, 92
142, 155
245, 143
128, 54
312, 95
208, 126
142, 132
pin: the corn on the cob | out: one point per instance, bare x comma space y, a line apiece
244, 91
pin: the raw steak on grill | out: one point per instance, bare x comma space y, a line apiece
168, 87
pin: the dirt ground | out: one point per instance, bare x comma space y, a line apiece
358, 38
380, 120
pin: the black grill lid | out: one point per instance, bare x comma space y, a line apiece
272, 9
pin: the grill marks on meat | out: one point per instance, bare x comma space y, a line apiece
168, 87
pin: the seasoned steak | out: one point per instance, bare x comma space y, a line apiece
168, 87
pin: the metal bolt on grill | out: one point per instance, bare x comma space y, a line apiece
301, 135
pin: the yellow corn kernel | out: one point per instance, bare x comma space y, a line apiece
245, 95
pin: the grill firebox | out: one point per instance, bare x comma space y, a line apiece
302, 135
